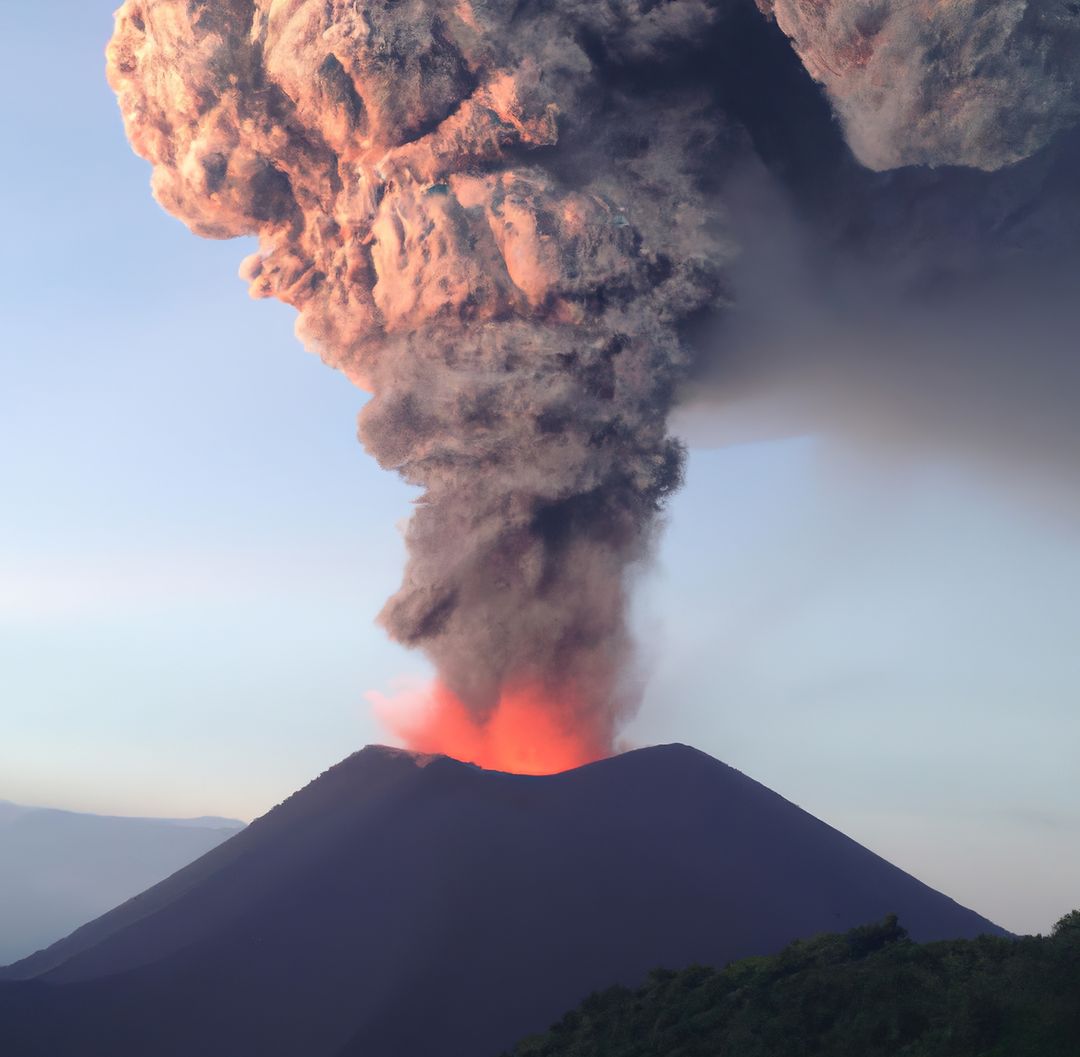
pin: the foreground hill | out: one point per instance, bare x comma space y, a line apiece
402, 905
59, 869
869, 993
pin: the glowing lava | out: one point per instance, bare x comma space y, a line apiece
523, 735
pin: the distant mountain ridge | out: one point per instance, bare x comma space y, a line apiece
402, 906
59, 869
10, 811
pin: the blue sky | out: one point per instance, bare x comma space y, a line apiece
193, 548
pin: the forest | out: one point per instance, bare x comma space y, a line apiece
870, 992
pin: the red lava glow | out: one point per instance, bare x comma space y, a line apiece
523, 735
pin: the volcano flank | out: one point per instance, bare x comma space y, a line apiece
404, 905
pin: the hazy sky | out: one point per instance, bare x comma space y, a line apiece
193, 547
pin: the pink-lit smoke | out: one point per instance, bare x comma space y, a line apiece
492, 219
982, 83
505, 222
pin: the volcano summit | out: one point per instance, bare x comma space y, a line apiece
404, 905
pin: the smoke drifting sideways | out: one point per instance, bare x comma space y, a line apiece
919, 316
981, 83
497, 219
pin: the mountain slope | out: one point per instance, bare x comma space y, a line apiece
61, 868
401, 906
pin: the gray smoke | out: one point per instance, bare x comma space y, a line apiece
496, 218
505, 221
918, 317
983, 83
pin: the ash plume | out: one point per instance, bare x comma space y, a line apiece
505, 221
499, 220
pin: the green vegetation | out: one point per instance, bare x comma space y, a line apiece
868, 993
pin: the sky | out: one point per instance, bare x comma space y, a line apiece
193, 548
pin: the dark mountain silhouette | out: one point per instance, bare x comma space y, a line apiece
404, 906
59, 869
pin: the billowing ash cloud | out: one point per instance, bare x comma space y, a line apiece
498, 218
982, 83
504, 221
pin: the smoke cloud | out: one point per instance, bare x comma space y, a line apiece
916, 315
497, 219
983, 83
507, 223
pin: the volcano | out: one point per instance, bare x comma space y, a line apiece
405, 906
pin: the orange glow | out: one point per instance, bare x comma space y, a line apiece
523, 735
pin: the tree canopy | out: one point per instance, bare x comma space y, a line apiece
870, 992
